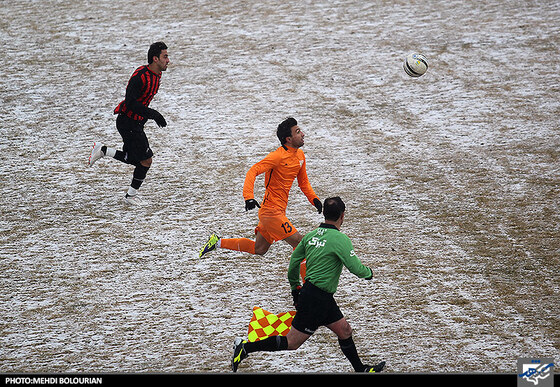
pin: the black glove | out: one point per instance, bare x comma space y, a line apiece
318, 205
157, 117
295, 296
250, 204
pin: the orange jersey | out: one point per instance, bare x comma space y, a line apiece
281, 166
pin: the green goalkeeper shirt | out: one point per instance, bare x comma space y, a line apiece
326, 250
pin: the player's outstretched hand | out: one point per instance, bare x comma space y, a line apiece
318, 205
158, 118
250, 204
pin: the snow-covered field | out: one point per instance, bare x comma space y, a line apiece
452, 181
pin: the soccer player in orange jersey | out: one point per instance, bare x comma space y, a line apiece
280, 167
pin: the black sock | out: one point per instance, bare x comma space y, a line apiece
121, 156
270, 344
138, 176
349, 349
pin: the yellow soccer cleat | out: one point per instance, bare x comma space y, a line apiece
239, 353
209, 246
375, 368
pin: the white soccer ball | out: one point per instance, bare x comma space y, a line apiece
415, 65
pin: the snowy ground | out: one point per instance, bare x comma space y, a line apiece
452, 181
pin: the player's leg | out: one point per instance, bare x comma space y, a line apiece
292, 341
125, 127
139, 154
293, 240
344, 332
242, 348
335, 321
341, 329
266, 232
237, 244
259, 246
99, 150
296, 338
138, 176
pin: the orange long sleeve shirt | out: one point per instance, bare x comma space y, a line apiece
281, 166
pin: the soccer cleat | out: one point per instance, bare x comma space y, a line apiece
96, 153
375, 368
134, 200
239, 353
209, 246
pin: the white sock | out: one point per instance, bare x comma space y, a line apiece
132, 191
111, 152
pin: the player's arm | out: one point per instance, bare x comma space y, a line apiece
352, 262
305, 186
266, 164
133, 94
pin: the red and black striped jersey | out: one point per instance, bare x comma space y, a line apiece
141, 89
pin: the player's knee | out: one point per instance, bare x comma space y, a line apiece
342, 329
346, 331
147, 163
261, 250
261, 245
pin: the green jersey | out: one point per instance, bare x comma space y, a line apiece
326, 250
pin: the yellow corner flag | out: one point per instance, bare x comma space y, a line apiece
264, 324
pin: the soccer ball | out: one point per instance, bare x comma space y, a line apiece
415, 65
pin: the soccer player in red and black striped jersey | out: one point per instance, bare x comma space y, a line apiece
132, 114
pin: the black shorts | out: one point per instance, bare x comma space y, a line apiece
135, 142
315, 308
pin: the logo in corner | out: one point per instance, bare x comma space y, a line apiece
535, 372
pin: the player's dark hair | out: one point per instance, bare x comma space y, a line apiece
155, 50
333, 208
285, 129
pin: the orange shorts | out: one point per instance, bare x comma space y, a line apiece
275, 227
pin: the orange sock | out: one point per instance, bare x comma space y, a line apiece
238, 244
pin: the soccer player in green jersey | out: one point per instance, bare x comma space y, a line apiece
326, 251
